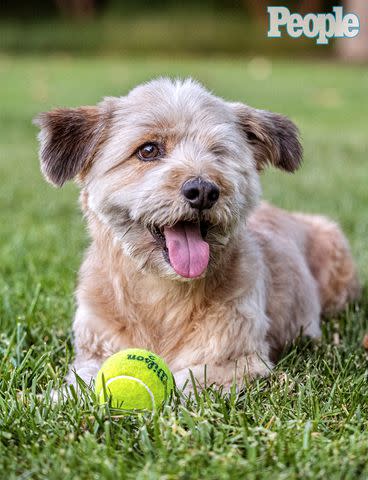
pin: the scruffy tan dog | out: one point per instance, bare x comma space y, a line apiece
183, 260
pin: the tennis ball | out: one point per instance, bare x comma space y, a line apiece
134, 379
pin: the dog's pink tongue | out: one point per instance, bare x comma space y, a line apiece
188, 252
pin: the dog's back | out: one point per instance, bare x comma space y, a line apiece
322, 244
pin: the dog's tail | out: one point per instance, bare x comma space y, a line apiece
331, 263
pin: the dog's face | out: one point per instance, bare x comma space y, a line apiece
170, 169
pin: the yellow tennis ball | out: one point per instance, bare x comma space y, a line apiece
134, 379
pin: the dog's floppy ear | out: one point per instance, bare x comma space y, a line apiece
69, 138
274, 138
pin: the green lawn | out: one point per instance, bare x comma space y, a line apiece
308, 420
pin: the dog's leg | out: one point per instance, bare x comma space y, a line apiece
95, 340
225, 375
331, 263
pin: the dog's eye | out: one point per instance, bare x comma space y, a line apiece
149, 151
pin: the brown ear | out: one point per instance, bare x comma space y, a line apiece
274, 138
69, 138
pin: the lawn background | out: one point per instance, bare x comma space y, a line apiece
309, 420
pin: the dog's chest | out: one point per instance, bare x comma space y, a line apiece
178, 329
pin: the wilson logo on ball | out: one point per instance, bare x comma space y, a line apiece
151, 365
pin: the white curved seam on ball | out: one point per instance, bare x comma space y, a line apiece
110, 380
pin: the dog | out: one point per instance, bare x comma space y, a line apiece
185, 260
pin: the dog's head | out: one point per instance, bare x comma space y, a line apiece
170, 169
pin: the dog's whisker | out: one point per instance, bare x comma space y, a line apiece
126, 232
147, 259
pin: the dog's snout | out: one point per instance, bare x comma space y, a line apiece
200, 193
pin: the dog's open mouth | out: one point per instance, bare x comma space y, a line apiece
185, 247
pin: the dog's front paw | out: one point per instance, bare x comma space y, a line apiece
86, 372
227, 376
59, 395
184, 378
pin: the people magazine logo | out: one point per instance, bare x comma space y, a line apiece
321, 26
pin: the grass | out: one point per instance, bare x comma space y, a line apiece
198, 31
308, 420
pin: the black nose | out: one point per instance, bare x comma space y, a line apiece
200, 194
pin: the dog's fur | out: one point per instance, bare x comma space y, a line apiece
270, 273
